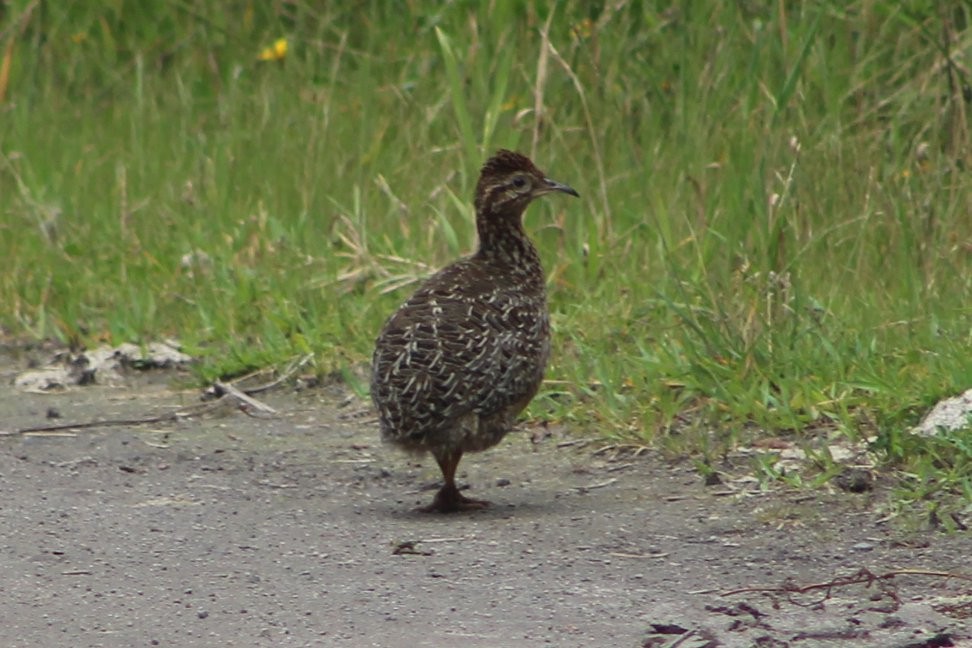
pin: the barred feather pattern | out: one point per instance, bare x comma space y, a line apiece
462, 357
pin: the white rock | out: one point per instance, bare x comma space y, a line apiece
950, 414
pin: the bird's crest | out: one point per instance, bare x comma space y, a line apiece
505, 162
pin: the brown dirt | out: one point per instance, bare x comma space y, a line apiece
299, 530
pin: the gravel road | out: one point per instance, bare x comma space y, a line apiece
299, 530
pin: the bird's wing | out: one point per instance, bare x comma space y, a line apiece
446, 353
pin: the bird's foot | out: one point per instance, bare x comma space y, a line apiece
450, 500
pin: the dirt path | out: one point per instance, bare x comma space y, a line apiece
235, 531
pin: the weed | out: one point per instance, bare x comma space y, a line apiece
774, 233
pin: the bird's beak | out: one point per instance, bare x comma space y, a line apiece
550, 186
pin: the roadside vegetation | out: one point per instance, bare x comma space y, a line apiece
774, 238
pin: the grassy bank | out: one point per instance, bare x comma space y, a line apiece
774, 236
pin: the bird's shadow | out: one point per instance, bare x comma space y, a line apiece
400, 509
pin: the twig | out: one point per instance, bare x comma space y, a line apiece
294, 368
226, 388
685, 637
598, 485
863, 576
65, 435
407, 548
636, 449
654, 556
163, 418
168, 417
573, 442
219, 389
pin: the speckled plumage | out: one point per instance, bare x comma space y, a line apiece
462, 357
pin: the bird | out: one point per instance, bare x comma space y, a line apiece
459, 360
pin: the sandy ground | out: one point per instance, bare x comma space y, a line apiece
300, 530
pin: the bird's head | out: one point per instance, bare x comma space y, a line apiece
508, 183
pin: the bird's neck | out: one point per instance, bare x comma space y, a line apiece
504, 242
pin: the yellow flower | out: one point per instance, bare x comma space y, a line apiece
583, 29
275, 52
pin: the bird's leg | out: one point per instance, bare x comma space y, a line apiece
449, 499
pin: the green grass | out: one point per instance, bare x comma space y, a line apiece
774, 235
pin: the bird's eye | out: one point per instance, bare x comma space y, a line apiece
519, 182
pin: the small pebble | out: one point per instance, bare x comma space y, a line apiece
502, 481
202, 614
863, 546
